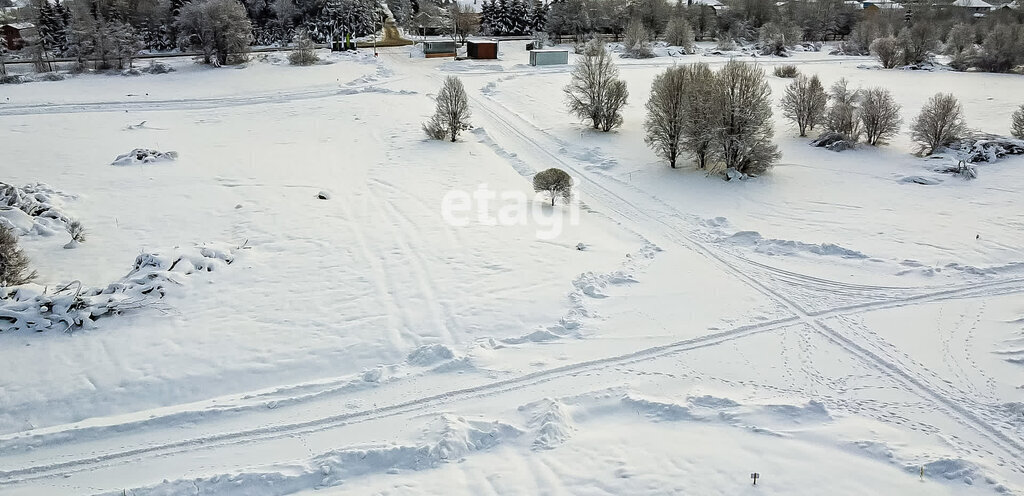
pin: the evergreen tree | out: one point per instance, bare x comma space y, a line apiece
538, 16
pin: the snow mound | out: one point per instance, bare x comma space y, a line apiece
752, 239
33, 208
468, 66
456, 438
551, 421
756, 417
73, 307
427, 355
144, 156
949, 469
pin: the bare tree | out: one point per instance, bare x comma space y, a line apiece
701, 108
888, 51
879, 116
452, 113
917, 41
940, 123
959, 39
555, 182
679, 33
638, 40
595, 92
744, 129
666, 113
805, 102
842, 114
1017, 127
14, 265
220, 28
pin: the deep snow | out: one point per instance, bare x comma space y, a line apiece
829, 325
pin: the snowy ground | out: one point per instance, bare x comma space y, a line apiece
830, 325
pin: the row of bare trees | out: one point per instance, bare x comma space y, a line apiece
722, 117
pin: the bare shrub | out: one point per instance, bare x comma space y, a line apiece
842, 114
14, 265
805, 103
786, 71
452, 113
959, 39
555, 182
76, 230
679, 33
595, 92
638, 41
305, 50
879, 116
916, 42
888, 51
940, 123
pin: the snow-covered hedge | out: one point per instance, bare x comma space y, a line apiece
32, 308
33, 208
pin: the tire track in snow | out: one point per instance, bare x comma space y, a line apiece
618, 204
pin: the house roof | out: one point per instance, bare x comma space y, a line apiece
715, 4
21, 25
883, 5
974, 4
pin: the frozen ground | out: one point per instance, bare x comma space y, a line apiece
829, 325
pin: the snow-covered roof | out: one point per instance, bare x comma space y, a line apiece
883, 5
973, 4
21, 25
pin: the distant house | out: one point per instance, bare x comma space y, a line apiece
16, 33
973, 7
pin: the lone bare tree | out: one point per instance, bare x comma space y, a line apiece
679, 33
1017, 126
805, 102
14, 265
744, 129
666, 113
595, 92
940, 123
879, 116
452, 113
555, 182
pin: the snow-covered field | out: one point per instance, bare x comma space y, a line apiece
832, 326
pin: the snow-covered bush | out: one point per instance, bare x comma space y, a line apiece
595, 92
987, 148
77, 232
144, 156
555, 182
879, 116
14, 265
775, 38
31, 208
940, 123
888, 51
452, 113
73, 307
157, 67
1017, 125
805, 102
